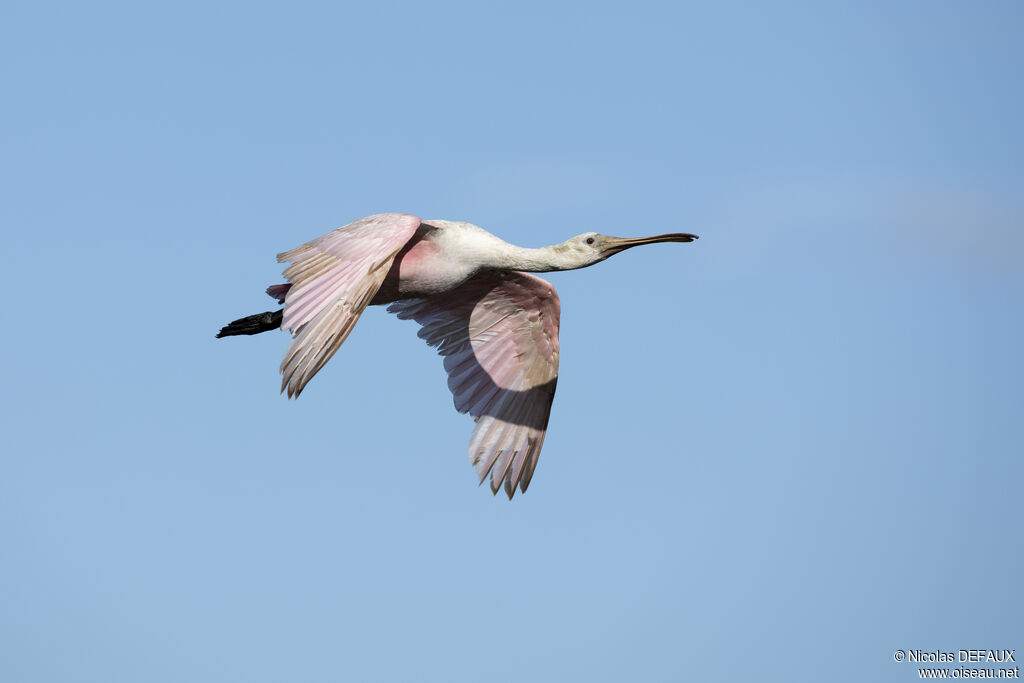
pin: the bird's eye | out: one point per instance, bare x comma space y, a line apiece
590, 240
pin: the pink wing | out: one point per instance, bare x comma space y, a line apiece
333, 278
498, 333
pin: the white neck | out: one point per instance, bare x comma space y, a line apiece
541, 260
483, 250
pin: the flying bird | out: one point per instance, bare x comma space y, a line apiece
495, 325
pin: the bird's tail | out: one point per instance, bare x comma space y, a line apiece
253, 324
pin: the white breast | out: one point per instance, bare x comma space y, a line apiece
443, 258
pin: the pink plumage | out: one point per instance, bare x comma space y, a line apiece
498, 333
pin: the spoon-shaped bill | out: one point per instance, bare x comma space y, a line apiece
614, 245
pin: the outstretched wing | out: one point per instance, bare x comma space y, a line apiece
333, 278
498, 333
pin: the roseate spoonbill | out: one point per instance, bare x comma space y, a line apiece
495, 325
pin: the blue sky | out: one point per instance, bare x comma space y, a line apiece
782, 452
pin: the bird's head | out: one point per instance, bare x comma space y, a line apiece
591, 247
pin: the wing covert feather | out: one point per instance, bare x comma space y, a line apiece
498, 334
333, 278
